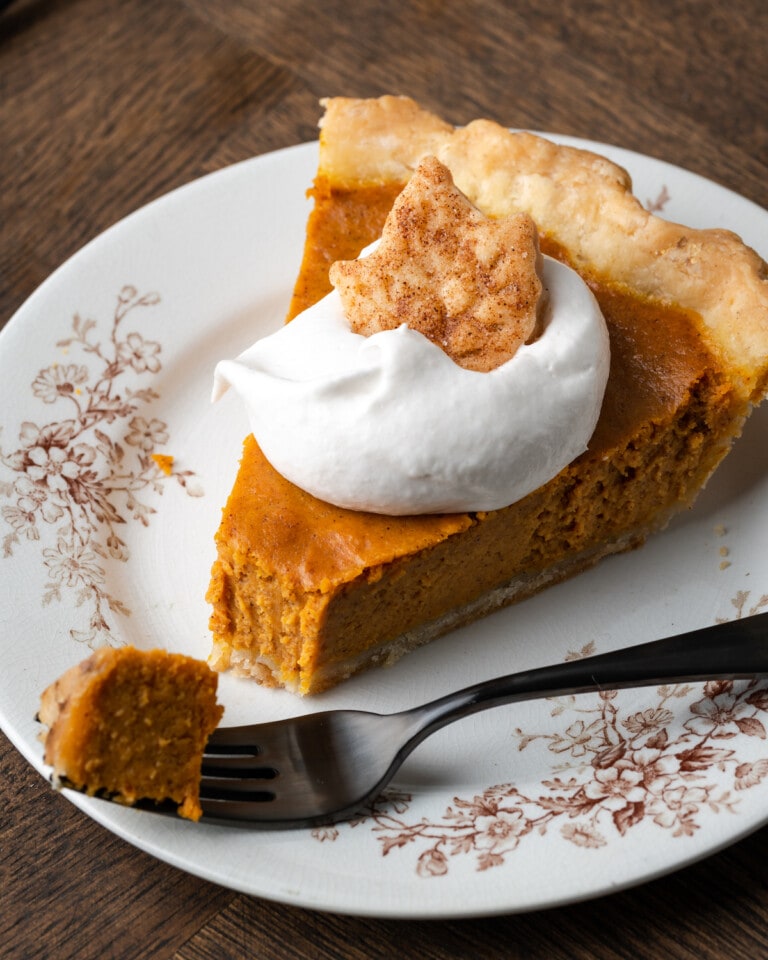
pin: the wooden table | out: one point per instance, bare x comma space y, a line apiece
106, 104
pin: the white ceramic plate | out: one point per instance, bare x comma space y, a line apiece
522, 807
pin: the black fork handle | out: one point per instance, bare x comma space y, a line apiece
734, 650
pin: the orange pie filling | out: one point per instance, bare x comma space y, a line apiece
132, 725
305, 594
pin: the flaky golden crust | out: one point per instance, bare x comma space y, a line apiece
578, 199
468, 282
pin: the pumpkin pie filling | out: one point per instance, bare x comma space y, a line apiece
305, 594
131, 725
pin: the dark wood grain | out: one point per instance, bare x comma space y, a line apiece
105, 105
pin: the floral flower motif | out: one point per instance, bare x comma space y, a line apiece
22, 518
501, 830
73, 565
750, 774
656, 766
432, 863
583, 835
681, 803
59, 381
139, 353
33, 497
617, 786
648, 721
147, 434
116, 547
62, 470
720, 716
579, 739
72, 474
53, 466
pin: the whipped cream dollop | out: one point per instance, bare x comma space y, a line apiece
390, 424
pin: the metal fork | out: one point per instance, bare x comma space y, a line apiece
329, 766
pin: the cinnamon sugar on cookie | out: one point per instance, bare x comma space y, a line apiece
469, 283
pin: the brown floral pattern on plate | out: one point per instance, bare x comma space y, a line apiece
74, 479
660, 766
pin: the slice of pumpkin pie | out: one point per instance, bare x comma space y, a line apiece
372, 535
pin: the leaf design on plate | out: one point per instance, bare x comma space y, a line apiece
72, 485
